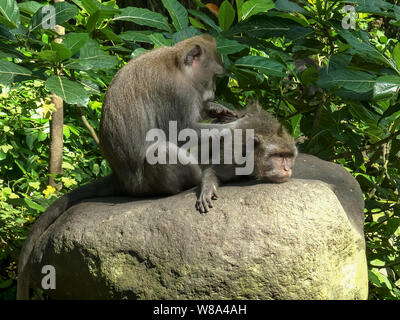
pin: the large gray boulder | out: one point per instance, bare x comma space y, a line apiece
299, 240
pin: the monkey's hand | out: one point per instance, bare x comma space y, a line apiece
219, 112
204, 201
209, 184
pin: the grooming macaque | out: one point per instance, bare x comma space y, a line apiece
166, 84
274, 155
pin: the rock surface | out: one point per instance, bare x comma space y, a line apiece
298, 240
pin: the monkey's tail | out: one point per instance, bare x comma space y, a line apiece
100, 188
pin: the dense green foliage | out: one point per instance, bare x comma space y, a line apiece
331, 76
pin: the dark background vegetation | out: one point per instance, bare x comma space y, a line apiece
335, 89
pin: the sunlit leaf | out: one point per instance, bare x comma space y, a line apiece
144, 17
9, 13
9, 70
178, 14
70, 91
264, 65
226, 15
386, 87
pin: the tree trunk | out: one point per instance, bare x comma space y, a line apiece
56, 129
56, 140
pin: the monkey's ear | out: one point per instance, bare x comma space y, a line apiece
192, 55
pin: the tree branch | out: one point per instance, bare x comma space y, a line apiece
89, 127
371, 146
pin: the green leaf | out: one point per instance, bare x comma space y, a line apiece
247, 78
92, 57
136, 36
9, 51
197, 24
353, 143
138, 52
90, 86
263, 25
48, 55
360, 112
397, 12
59, 52
104, 11
159, 40
29, 7
363, 48
30, 139
3, 155
378, 279
63, 12
41, 136
63, 52
178, 14
9, 13
226, 15
205, 18
356, 81
110, 35
70, 91
239, 5
34, 205
386, 87
98, 12
144, 17
185, 34
199, 3
96, 169
379, 7
309, 76
5, 33
396, 55
226, 46
295, 122
91, 6
392, 226
338, 61
107, 12
252, 7
264, 65
289, 6
75, 41
92, 21
9, 70
391, 110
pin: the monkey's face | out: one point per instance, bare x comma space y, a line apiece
273, 161
205, 71
202, 65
